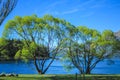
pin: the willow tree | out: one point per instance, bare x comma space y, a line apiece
87, 47
6, 6
42, 37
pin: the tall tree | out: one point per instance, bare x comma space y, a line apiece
6, 6
43, 38
87, 47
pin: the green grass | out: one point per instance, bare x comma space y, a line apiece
62, 77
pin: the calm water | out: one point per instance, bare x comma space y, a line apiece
56, 68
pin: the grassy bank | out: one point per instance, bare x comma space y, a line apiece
62, 77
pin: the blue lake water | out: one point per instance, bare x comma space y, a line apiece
56, 68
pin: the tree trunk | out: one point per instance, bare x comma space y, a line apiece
36, 66
88, 71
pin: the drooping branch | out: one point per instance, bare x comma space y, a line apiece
6, 6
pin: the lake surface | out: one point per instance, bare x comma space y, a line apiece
56, 68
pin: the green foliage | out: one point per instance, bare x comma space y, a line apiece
87, 47
8, 48
43, 38
3, 41
18, 54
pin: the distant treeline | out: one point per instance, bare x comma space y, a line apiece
8, 48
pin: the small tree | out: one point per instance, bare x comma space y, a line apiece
42, 37
87, 47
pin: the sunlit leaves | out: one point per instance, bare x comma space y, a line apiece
18, 55
86, 47
47, 31
3, 42
49, 35
43, 37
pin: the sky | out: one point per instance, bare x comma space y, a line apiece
95, 14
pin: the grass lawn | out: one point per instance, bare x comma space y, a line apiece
62, 77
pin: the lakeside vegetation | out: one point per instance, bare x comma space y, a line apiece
62, 77
44, 39
48, 37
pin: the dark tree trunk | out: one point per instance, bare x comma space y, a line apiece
88, 71
37, 68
